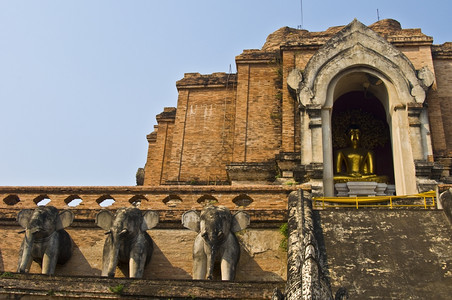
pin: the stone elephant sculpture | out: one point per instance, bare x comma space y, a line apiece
45, 241
215, 240
127, 240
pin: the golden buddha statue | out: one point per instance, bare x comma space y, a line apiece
358, 162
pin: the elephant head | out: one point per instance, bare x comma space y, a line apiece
127, 240
45, 240
216, 227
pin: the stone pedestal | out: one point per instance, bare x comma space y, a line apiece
342, 189
361, 188
364, 188
381, 189
390, 190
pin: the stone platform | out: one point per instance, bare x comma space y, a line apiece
364, 188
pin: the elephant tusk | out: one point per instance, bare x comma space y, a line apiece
124, 231
34, 230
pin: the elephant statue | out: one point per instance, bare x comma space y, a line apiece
215, 240
127, 240
45, 241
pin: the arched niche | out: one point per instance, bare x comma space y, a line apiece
356, 103
394, 100
354, 57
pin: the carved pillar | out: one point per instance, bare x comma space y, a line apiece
416, 138
315, 126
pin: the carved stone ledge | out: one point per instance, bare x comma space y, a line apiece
314, 170
287, 163
428, 169
251, 173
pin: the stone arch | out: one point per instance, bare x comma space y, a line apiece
357, 45
358, 50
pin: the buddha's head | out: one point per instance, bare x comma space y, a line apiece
353, 134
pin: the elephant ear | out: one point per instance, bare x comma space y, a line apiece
24, 216
240, 221
190, 220
104, 219
150, 220
65, 218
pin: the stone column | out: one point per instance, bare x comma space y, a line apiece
328, 175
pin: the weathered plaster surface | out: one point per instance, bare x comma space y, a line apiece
387, 254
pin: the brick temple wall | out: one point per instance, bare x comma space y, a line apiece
258, 114
262, 258
202, 139
440, 110
160, 144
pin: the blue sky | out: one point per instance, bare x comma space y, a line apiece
82, 80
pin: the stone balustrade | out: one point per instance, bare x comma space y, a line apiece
179, 197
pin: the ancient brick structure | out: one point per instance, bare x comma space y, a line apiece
262, 140
259, 124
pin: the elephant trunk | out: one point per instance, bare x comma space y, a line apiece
27, 246
213, 253
113, 261
214, 239
114, 253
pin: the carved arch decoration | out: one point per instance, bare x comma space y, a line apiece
358, 49
356, 46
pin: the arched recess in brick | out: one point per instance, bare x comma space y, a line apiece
42, 200
137, 199
242, 200
105, 200
357, 50
11, 200
207, 199
73, 200
172, 200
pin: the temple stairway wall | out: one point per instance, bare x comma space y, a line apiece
387, 254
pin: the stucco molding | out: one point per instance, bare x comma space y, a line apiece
358, 46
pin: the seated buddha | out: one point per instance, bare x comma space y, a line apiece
355, 163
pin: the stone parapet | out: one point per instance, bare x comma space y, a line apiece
180, 197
